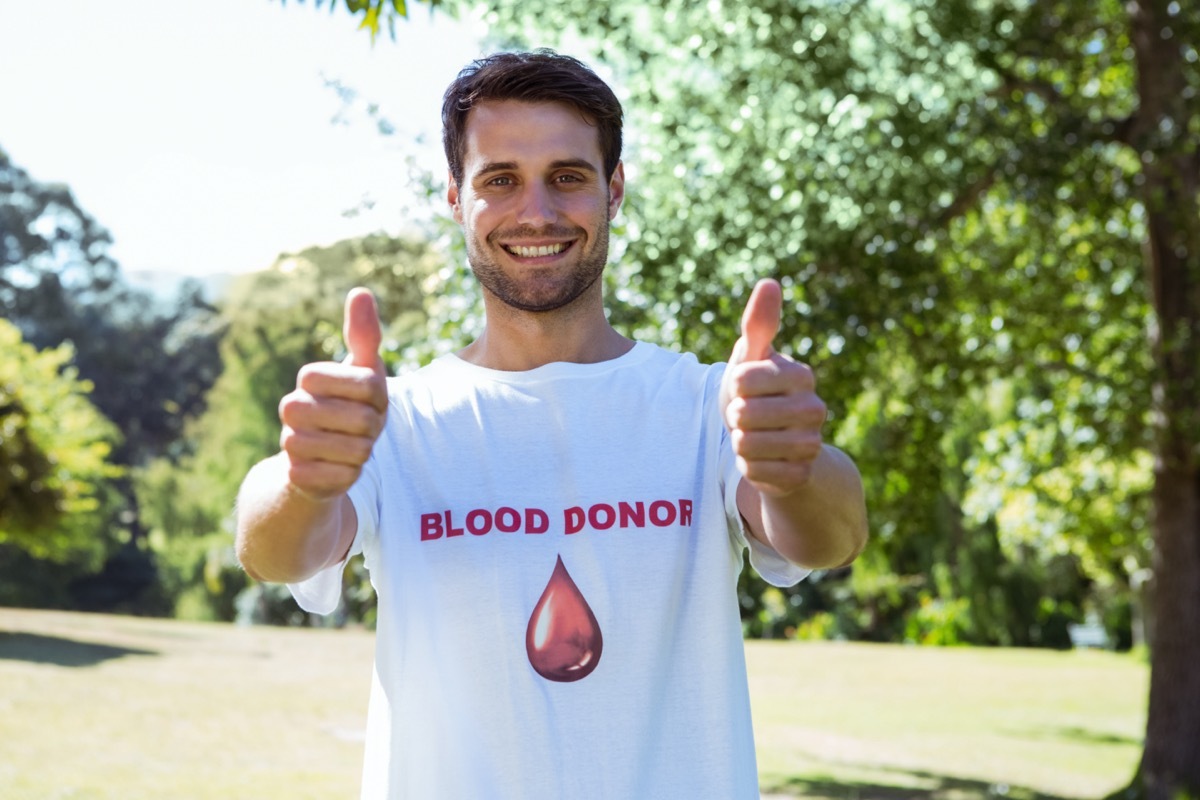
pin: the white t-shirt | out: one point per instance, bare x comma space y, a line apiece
624, 679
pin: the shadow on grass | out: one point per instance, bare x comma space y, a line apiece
1089, 737
933, 787
59, 651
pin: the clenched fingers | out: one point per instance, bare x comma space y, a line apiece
777, 375
321, 479
345, 381
785, 445
304, 411
774, 418
333, 448
775, 412
776, 477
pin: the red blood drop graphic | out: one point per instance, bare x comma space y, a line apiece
563, 638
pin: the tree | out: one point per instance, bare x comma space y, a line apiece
1106, 84
148, 365
54, 448
1164, 132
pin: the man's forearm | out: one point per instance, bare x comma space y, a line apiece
283, 535
820, 525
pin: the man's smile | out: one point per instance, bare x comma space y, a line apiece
537, 250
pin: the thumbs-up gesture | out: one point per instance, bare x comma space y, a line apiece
769, 402
337, 411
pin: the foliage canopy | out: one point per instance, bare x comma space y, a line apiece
54, 448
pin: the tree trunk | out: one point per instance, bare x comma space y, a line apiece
1171, 171
1171, 760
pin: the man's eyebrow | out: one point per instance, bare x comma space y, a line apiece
562, 163
574, 163
497, 166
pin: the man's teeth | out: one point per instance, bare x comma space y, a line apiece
535, 252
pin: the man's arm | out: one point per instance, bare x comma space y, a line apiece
798, 495
284, 535
293, 514
820, 525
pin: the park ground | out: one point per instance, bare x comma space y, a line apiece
96, 707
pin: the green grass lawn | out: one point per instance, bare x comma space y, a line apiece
101, 707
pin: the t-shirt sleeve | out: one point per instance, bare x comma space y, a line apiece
774, 568
321, 593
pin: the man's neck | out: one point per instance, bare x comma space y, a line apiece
516, 341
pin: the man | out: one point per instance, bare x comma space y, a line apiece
554, 518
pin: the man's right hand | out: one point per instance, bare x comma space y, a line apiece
337, 411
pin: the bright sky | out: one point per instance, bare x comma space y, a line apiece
200, 134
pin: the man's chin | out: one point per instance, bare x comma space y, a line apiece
537, 290
538, 304
538, 300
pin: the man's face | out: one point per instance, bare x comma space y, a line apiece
534, 203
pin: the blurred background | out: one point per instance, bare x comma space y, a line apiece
984, 215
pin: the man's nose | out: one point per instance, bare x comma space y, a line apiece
536, 206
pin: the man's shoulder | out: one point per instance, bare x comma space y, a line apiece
416, 380
416, 374
668, 360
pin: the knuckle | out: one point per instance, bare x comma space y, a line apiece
801, 375
315, 377
806, 450
738, 384
796, 453
369, 422
745, 467
744, 376
376, 391
306, 375
813, 413
297, 446
300, 475
735, 412
347, 476
289, 408
362, 450
287, 438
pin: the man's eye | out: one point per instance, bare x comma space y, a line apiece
501, 181
568, 179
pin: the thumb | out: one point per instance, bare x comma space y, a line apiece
360, 329
760, 321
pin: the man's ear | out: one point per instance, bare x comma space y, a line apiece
452, 198
616, 190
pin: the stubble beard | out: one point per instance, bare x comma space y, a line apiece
536, 294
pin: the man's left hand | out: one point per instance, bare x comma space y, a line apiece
769, 402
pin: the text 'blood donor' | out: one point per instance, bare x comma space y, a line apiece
600, 517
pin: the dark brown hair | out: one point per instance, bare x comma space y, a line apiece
540, 76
